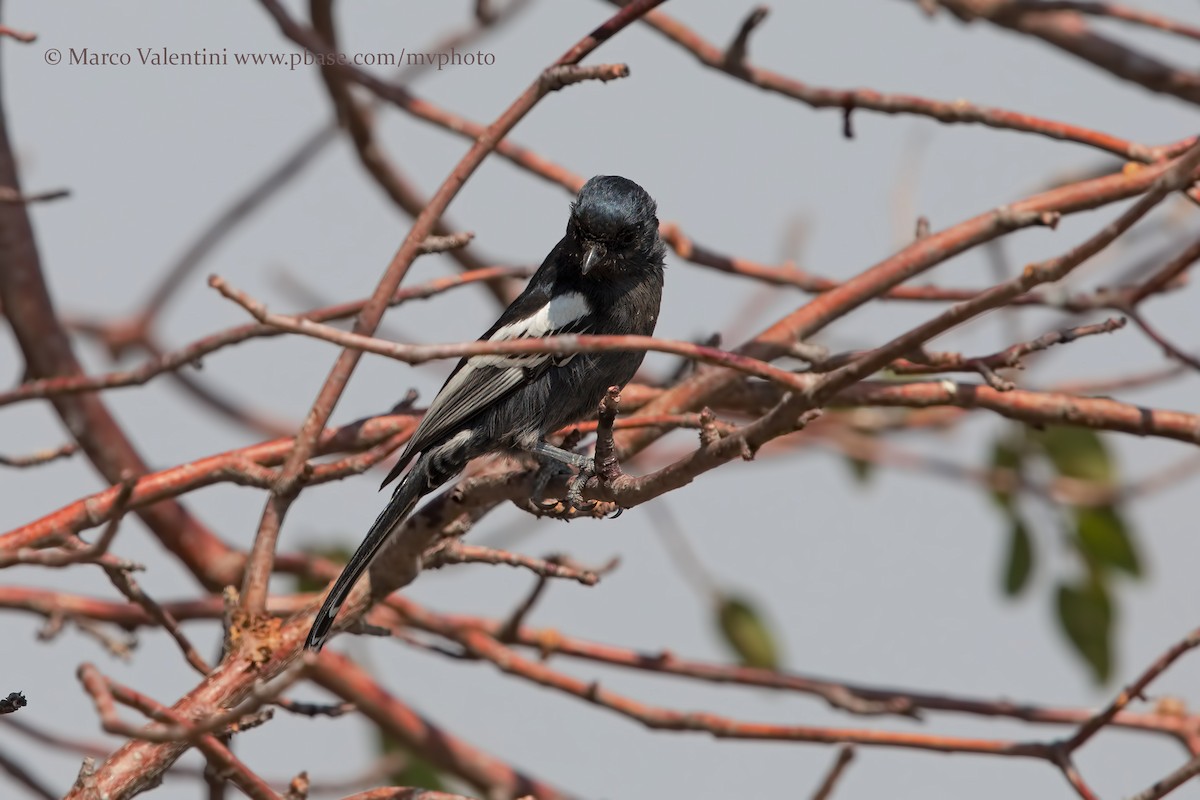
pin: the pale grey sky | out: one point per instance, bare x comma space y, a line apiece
894, 584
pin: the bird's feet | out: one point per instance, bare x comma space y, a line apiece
557, 463
574, 498
604, 468
551, 469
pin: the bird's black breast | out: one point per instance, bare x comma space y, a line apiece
573, 391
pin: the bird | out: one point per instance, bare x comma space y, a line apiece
604, 277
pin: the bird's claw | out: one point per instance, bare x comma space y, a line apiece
572, 504
574, 498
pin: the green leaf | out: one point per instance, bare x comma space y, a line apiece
1077, 453
1019, 565
1106, 540
335, 553
416, 772
1007, 454
1086, 616
744, 630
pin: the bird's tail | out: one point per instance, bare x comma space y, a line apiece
407, 493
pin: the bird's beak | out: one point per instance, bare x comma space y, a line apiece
593, 254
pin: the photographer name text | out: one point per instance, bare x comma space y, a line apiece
166, 57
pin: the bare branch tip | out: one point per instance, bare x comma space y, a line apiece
21, 36
563, 75
735, 54
11, 196
923, 227
442, 244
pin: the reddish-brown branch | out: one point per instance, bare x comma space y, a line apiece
1170, 783
790, 275
41, 457
1057, 490
934, 363
48, 354
76, 551
455, 552
127, 586
247, 465
543, 168
1035, 408
856, 699
481, 645
844, 757
1071, 773
138, 764
259, 566
194, 352
106, 693
10, 195
1132, 692
21, 36
1169, 349
258, 193
1112, 11
739, 48
852, 698
244, 465
417, 354
1179, 175
786, 275
703, 388
352, 683
847, 100
1069, 31
129, 616
356, 118
795, 410
1167, 274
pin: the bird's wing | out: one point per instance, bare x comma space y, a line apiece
480, 381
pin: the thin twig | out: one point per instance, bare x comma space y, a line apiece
105, 693
41, 457
1132, 691
844, 756
455, 552
191, 354
11, 195
20, 36
1111, 10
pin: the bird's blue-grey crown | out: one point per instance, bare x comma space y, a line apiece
612, 221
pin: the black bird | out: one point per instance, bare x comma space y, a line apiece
604, 277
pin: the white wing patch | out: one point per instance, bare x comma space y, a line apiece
484, 379
556, 315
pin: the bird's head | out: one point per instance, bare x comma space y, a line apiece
613, 226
